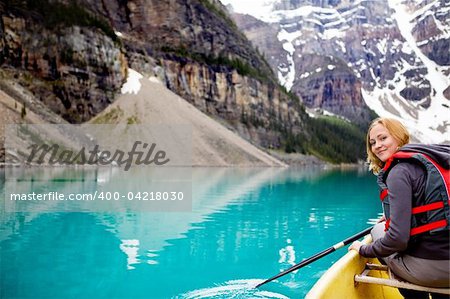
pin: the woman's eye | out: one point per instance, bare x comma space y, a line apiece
383, 138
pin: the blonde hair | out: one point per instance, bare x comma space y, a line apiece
398, 132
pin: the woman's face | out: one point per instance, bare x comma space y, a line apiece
382, 144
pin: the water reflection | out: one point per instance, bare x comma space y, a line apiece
244, 224
130, 248
98, 190
287, 255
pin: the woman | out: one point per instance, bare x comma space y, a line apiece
414, 241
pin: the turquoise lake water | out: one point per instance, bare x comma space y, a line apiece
245, 226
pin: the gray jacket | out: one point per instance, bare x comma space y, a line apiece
406, 183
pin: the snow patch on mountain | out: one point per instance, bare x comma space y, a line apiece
375, 39
287, 76
431, 124
133, 84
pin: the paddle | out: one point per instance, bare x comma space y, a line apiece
319, 255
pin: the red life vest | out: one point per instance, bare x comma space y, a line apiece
432, 213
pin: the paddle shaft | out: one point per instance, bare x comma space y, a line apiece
319, 255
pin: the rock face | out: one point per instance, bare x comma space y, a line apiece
199, 27
191, 45
212, 143
431, 29
251, 107
331, 52
263, 36
329, 84
73, 70
307, 39
209, 62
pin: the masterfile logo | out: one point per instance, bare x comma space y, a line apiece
69, 168
124, 146
97, 157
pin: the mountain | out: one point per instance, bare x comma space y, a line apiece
73, 56
146, 101
349, 57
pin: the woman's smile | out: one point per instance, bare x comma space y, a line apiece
382, 143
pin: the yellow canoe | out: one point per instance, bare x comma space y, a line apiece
338, 281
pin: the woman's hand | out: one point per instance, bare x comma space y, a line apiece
356, 246
382, 218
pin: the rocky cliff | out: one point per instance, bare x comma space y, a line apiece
74, 55
431, 28
389, 55
63, 55
81, 59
